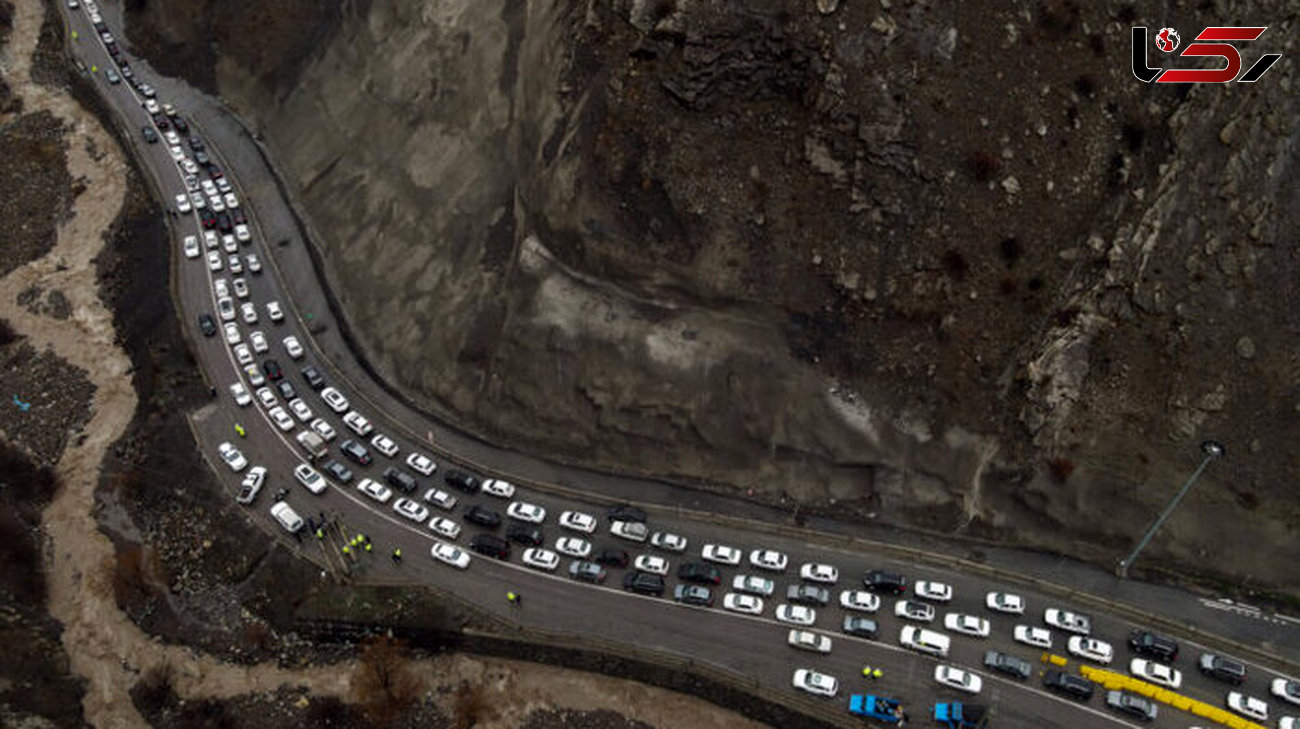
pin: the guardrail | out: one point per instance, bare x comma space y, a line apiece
1112, 681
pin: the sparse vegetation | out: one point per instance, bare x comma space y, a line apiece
384, 684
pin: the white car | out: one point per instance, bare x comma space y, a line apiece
742, 603
633, 531
1094, 650
1157, 673
1286, 689
266, 397
358, 423
229, 245
652, 563
334, 399
721, 554
241, 232
411, 509
274, 311
241, 288
176, 152
253, 373
818, 684
542, 559
232, 333
444, 526
769, 559
859, 600
300, 410
221, 288
573, 547
966, 624
498, 488
292, 347
1288, 722
823, 573
258, 340
251, 485
287, 517
1067, 621
1032, 635
191, 246
198, 202
232, 457
1248, 706
420, 463
809, 641
253, 262
375, 490
384, 445
324, 429
309, 478
450, 554
281, 418
1005, 602
796, 614
226, 308
934, 591
957, 678
231, 200
526, 512
440, 499
224, 185
249, 312
188, 165
578, 521
668, 542
216, 204
209, 189
753, 584
240, 393
151, 106
913, 610
183, 206
209, 239
243, 355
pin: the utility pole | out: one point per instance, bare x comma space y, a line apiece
1212, 450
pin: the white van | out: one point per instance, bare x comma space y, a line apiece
313, 444
287, 517
924, 641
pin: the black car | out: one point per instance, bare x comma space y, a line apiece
207, 325
215, 172
699, 572
1222, 668
584, 571
811, 595
149, 135
181, 126
272, 370
338, 471
125, 68
1153, 645
861, 627
225, 223
161, 120
286, 389
462, 481
625, 512
525, 534
207, 217
490, 545
313, 378
1010, 665
237, 215
1131, 705
890, 583
399, 479
355, 452
201, 157
196, 144
612, 557
693, 595
1076, 687
644, 583
482, 516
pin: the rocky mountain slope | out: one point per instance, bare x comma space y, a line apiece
942, 264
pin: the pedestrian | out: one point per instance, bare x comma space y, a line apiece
360, 538
397, 556
320, 533
513, 598
877, 673
367, 546
346, 550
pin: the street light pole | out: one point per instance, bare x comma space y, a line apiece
1212, 449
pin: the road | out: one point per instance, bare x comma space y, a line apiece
752, 651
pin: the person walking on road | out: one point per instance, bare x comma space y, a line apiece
513, 598
397, 556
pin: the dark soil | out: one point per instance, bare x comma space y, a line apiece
56, 397
34, 185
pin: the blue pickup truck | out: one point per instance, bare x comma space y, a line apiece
889, 711
956, 715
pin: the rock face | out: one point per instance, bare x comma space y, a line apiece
965, 272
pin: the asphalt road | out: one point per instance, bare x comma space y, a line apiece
750, 650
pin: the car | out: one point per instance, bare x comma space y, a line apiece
525, 534
240, 393
860, 626
482, 516
526, 512
266, 397
234, 263
1288, 722
300, 410
443, 526
1248, 706
375, 490
214, 261
1157, 673
542, 559
490, 545
420, 463
171, 136
258, 340
226, 308
611, 557
208, 219
668, 542
183, 206
633, 531
576, 547
808, 595
809, 641
859, 600
209, 189
112, 76
1095, 650
251, 260
231, 200
823, 573
741, 603
253, 374
210, 239
625, 512
309, 478
696, 595
176, 152
249, 312
1075, 687
912, 610
251, 485
578, 521
1286, 689
287, 517
281, 418
241, 288
411, 509
340, 472
198, 202
818, 684
440, 499
721, 554
1005, 602
924, 641
1072, 622
217, 204
890, 583
753, 585
954, 677
150, 105
1222, 668
241, 230
399, 479
652, 563
1033, 635
358, 423
323, 429
1007, 664
208, 325
1153, 645
286, 390
294, 350
461, 480
933, 591
796, 614
643, 583
498, 488
966, 624
768, 559
233, 336
1131, 704
274, 311
232, 457
149, 135
584, 571
147, 91
699, 572
450, 554
189, 167
334, 399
